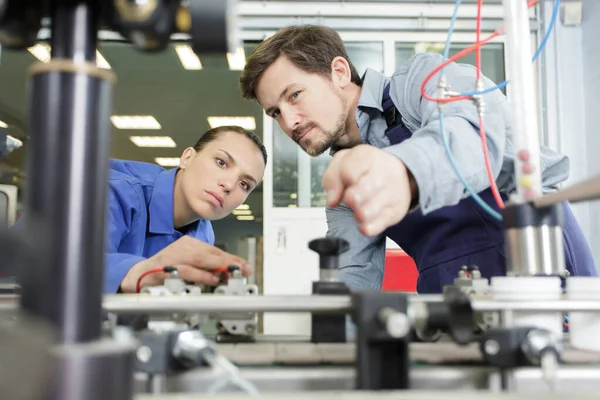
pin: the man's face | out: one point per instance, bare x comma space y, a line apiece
308, 107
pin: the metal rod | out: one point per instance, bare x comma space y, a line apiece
67, 172
521, 95
74, 30
126, 304
556, 305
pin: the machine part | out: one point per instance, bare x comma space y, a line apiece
95, 370
240, 325
329, 250
461, 319
20, 22
329, 328
155, 354
539, 289
212, 26
382, 356
76, 131
584, 327
25, 352
470, 281
191, 348
526, 141
538, 342
8, 144
534, 240
502, 347
147, 24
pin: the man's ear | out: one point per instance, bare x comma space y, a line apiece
186, 157
340, 72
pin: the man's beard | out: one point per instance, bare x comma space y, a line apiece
316, 146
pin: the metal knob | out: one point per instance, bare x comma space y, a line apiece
329, 250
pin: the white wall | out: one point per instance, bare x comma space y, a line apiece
229, 231
569, 64
591, 75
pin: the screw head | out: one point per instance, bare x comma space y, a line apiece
144, 354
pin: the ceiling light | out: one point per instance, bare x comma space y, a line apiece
242, 212
244, 122
101, 61
243, 207
135, 122
245, 217
188, 58
42, 53
153, 141
167, 161
237, 60
3, 124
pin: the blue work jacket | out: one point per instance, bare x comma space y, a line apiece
140, 217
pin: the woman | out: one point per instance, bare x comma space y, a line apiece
159, 218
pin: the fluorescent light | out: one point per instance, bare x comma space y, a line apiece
101, 61
237, 60
153, 141
42, 53
188, 58
135, 122
3, 124
243, 207
245, 217
167, 161
242, 212
244, 122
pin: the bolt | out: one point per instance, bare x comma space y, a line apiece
396, 323
144, 354
492, 347
250, 329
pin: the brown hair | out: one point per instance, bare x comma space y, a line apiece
213, 134
310, 48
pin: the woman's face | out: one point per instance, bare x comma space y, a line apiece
218, 178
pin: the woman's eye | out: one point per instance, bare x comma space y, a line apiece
221, 163
295, 95
245, 186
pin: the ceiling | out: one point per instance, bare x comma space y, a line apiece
148, 84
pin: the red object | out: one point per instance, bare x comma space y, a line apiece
400, 273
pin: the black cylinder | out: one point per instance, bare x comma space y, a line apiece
69, 113
74, 30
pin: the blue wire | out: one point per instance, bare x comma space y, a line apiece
475, 196
535, 56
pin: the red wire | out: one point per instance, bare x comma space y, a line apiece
138, 287
477, 47
488, 166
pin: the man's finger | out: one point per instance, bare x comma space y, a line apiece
362, 191
380, 223
368, 210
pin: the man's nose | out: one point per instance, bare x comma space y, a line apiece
291, 120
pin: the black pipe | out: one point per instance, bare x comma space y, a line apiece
69, 113
74, 30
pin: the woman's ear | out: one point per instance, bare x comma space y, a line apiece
186, 157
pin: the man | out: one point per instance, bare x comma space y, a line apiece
391, 176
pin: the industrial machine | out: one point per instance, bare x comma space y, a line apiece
71, 342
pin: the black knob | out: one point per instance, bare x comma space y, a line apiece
329, 250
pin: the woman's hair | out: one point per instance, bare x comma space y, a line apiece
213, 134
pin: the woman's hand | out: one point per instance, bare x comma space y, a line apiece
193, 259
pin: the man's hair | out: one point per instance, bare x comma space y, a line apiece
214, 133
310, 48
